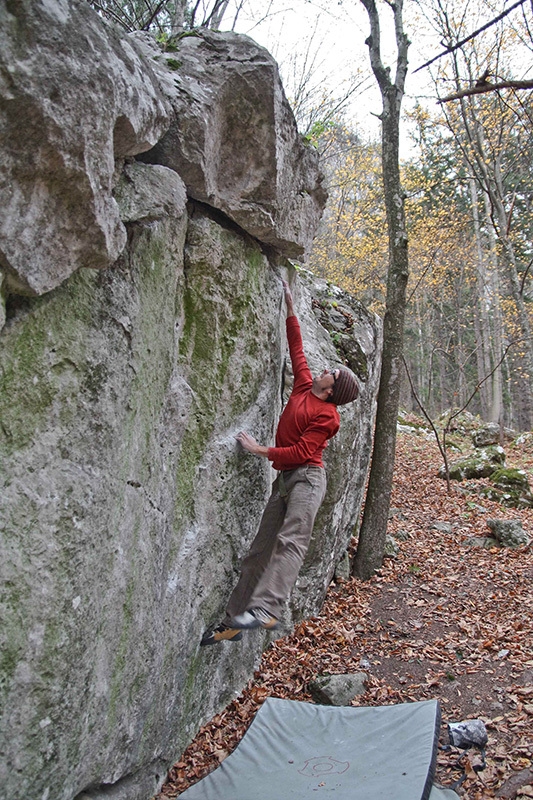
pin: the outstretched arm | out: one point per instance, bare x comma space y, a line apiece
288, 299
246, 441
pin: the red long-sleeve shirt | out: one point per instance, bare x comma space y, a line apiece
307, 422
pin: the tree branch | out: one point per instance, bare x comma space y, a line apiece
432, 424
154, 13
487, 87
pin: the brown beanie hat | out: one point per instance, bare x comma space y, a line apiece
345, 389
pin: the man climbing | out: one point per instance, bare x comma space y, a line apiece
308, 421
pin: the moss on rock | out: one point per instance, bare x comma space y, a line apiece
510, 487
479, 465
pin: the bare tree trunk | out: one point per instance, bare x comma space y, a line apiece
371, 546
484, 160
524, 377
215, 18
461, 354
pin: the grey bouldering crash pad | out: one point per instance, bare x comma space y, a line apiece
292, 750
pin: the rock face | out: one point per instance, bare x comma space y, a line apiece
125, 503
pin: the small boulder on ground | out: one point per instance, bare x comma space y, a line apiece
508, 532
443, 527
392, 548
481, 541
338, 690
490, 434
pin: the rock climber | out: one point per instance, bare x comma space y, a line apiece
308, 421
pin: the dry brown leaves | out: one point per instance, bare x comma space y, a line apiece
443, 620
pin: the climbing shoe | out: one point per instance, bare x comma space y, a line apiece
223, 633
255, 618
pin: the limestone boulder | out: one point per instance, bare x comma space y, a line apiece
490, 433
75, 96
234, 141
392, 548
486, 542
486, 435
126, 504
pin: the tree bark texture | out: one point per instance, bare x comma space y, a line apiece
371, 545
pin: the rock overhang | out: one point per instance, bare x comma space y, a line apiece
86, 97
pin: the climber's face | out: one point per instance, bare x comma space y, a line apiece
325, 382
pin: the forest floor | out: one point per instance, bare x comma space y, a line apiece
443, 620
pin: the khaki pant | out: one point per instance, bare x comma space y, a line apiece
270, 569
